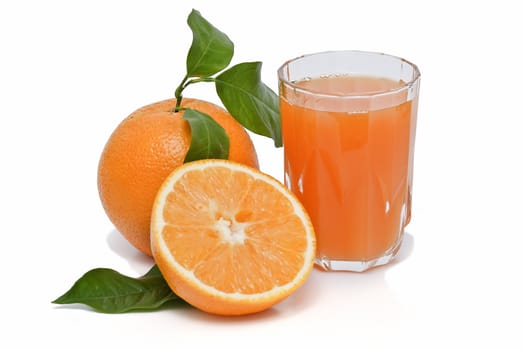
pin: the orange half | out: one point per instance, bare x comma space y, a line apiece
230, 239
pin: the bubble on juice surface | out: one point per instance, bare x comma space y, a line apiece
301, 80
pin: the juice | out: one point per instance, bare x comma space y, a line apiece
349, 161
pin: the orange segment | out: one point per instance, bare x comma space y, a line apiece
229, 239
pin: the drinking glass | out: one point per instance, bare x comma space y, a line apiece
348, 125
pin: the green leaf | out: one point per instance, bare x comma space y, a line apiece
211, 50
108, 291
208, 139
249, 100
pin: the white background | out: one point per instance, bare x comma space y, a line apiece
70, 71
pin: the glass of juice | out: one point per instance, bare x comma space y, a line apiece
348, 124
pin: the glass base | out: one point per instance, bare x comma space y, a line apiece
356, 265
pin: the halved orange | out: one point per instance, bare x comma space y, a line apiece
229, 239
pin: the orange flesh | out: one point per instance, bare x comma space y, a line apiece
236, 238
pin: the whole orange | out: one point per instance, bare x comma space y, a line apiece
143, 150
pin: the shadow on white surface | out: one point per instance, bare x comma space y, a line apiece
81, 307
218, 321
138, 261
407, 246
365, 296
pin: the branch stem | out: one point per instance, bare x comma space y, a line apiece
186, 82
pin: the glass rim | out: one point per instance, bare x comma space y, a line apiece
371, 94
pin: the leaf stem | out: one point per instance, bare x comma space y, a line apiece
199, 80
178, 93
186, 82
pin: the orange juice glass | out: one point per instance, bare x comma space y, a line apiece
349, 123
